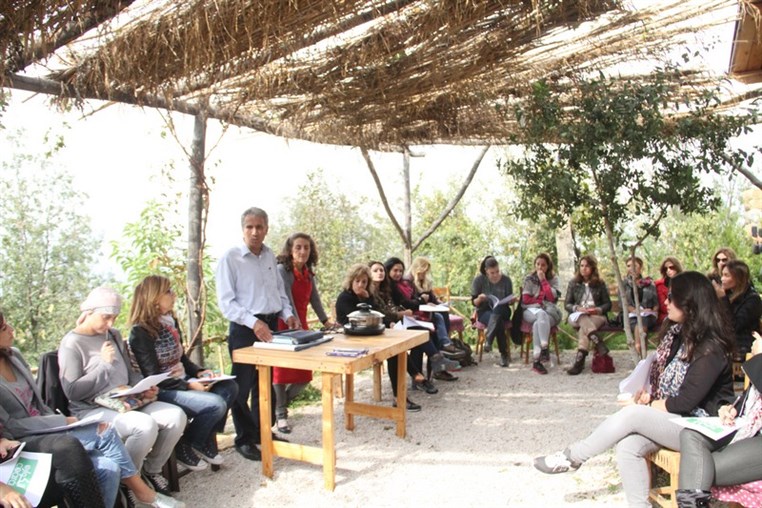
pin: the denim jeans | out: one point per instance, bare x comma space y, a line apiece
110, 458
443, 336
206, 411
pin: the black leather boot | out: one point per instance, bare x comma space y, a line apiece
83, 491
579, 363
692, 498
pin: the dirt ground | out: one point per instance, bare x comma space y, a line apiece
472, 445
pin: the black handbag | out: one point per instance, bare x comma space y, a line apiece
516, 335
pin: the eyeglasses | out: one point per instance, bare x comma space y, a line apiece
670, 267
669, 296
721, 260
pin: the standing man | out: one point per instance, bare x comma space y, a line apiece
251, 295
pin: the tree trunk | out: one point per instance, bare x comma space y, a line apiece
566, 255
196, 243
407, 208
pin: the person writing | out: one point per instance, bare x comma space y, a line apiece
251, 295
690, 375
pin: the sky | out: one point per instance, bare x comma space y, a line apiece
117, 154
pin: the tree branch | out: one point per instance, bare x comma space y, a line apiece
454, 201
750, 176
381, 192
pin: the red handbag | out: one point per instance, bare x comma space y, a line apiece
602, 364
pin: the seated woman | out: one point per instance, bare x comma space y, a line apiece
719, 260
296, 265
649, 304
668, 269
690, 375
23, 414
587, 299
355, 291
380, 290
421, 288
72, 477
93, 360
538, 299
733, 460
743, 303
404, 296
156, 344
489, 286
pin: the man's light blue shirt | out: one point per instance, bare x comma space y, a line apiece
249, 284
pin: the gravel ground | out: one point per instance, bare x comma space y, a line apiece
472, 445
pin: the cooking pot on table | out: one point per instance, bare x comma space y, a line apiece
365, 321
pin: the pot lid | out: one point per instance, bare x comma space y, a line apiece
364, 310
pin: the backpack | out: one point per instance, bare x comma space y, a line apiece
49, 383
467, 356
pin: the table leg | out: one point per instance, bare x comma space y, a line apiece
402, 392
265, 423
329, 441
377, 382
349, 397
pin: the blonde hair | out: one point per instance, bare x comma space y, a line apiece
355, 272
421, 265
145, 303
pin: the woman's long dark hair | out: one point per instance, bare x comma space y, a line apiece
595, 277
705, 319
4, 353
287, 261
384, 291
544, 255
741, 275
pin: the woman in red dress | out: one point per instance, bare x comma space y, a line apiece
296, 263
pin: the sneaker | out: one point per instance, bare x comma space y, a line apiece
163, 501
187, 458
544, 354
539, 368
411, 406
426, 386
209, 454
556, 463
283, 426
445, 376
159, 483
503, 360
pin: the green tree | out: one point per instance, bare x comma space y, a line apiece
154, 245
48, 250
344, 233
622, 155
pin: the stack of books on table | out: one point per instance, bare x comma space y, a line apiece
294, 340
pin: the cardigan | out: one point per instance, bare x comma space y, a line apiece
14, 414
144, 349
317, 304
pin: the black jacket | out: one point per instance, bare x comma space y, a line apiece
143, 350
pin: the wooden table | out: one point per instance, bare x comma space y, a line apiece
390, 343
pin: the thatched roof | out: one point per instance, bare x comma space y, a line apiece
372, 73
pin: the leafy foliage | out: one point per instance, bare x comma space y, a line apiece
344, 234
48, 250
620, 156
154, 245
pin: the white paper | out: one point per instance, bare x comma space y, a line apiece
143, 385
533, 310
429, 307
643, 312
211, 379
710, 426
638, 378
28, 474
574, 316
494, 301
408, 322
88, 420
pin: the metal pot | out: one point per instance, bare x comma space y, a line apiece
365, 318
